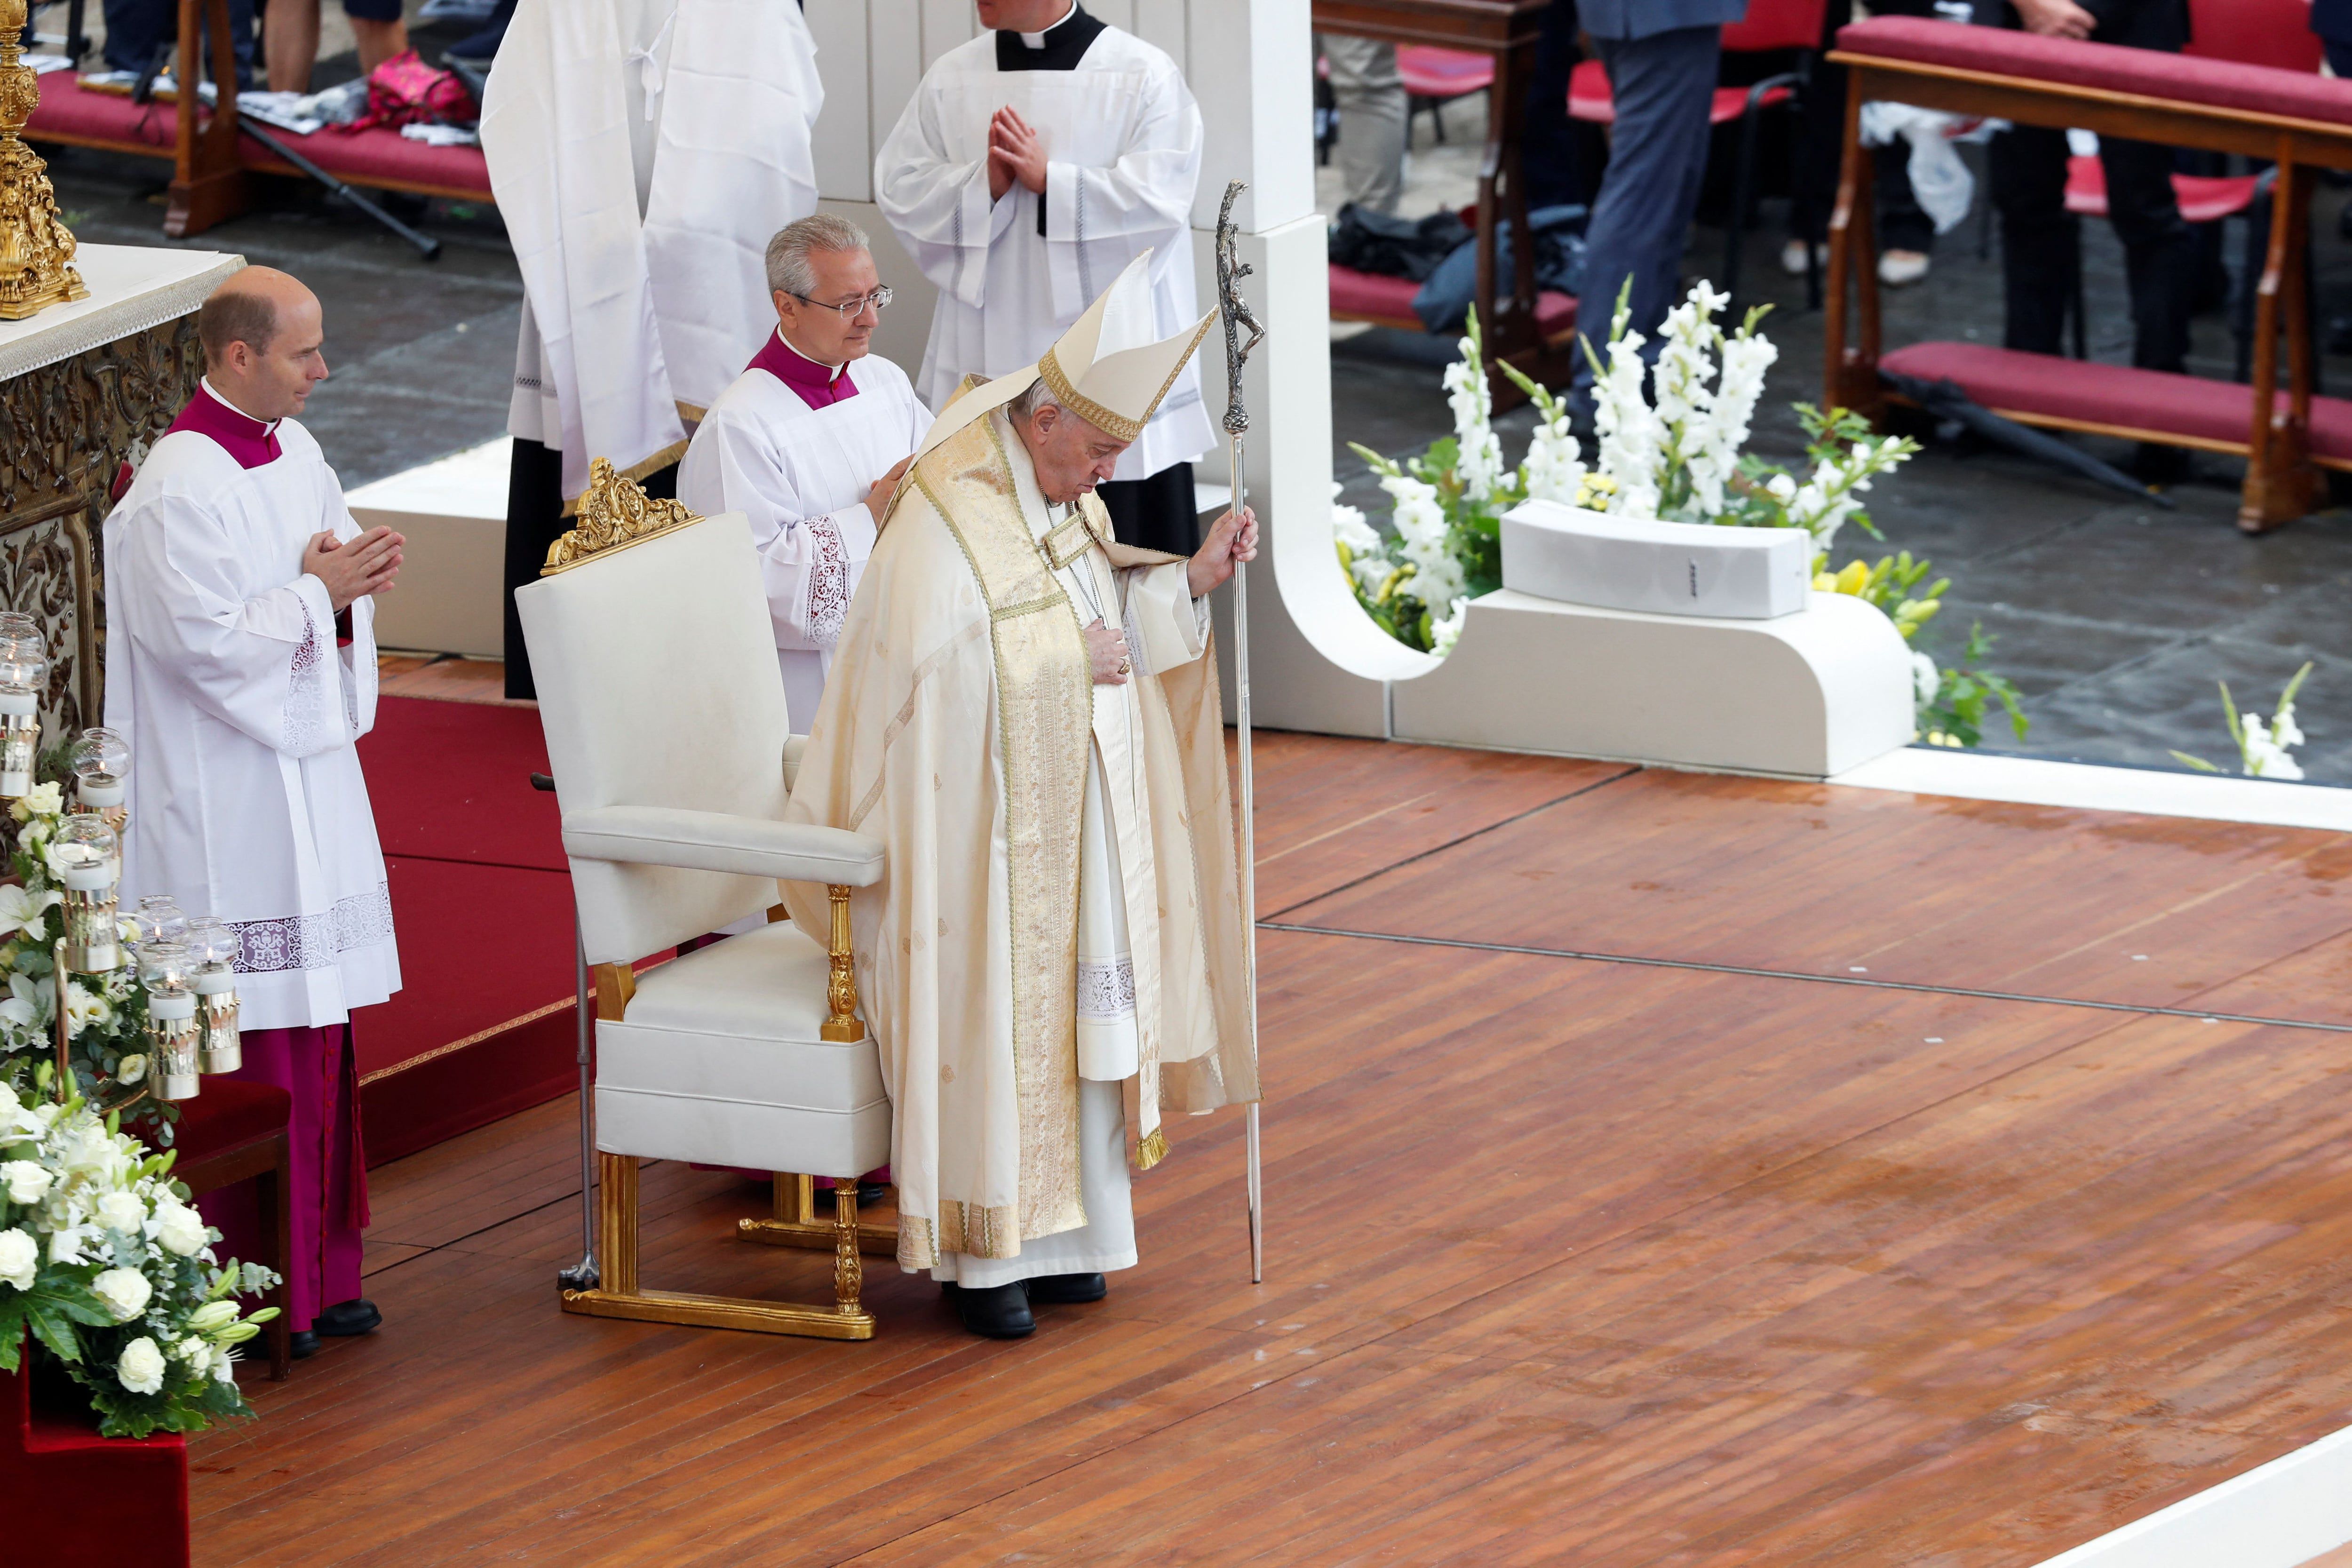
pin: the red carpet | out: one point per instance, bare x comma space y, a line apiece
482, 1027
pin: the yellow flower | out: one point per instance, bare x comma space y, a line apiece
1854, 579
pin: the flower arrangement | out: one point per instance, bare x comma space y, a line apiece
2262, 750
106, 1014
105, 1264
1672, 452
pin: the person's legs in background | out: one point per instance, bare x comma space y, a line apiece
1552, 148
1373, 119
2026, 167
380, 29
1906, 234
1662, 85
290, 29
135, 29
2160, 250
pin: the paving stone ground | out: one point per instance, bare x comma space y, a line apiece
2116, 618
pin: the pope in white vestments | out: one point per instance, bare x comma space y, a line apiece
809, 442
1031, 166
641, 152
240, 664
1026, 712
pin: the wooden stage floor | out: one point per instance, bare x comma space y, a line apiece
1662, 1170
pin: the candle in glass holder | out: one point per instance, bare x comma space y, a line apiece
24, 675
211, 955
101, 761
171, 1031
84, 856
160, 918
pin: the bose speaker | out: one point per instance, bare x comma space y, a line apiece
1557, 551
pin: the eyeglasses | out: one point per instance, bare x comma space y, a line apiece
850, 309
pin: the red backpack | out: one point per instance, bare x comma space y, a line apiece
405, 90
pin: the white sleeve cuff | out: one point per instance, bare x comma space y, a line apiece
1165, 625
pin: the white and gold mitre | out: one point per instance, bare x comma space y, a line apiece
1109, 369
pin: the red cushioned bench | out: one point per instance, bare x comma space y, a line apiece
211, 157
1388, 303
2302, 123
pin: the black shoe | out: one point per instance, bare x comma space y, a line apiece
301, 1345
346, 1318
2155, 464
998, 1312
869, 1195
1062, 1290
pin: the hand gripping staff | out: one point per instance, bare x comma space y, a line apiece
1231, 270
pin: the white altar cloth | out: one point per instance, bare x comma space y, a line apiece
131, 288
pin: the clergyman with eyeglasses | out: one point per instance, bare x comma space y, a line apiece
808, 443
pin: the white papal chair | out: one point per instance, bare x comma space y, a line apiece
664, 707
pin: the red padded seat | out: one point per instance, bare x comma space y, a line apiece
2030, 387
74, 114
1388, 301
1430, 72
2110, 67
1588, 97
227, 1113
2203, 198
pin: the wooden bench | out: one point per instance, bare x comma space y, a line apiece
210, 156
2302, 122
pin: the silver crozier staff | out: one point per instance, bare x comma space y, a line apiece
1231, 270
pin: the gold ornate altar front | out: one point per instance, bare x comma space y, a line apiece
66, 430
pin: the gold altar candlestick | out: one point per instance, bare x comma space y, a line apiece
37, 250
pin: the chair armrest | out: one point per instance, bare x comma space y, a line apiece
720, 841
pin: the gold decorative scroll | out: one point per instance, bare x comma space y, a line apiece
36, 247
614, 513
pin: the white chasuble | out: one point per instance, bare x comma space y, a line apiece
800, 474
1122, 139
960, 724
243, 715
642, 154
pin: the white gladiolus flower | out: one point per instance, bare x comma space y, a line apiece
27, 1183
125, 1292
1437, 579
179, 1229
122, 1212
25, 913
1444, 630
20, 1259
1480, 460
141, 1367
1555, 465
1925, 680
65, 1241
1629, 433
1782, 487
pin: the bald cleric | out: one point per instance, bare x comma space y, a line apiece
240, 663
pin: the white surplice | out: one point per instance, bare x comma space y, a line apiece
1165, 626
221, 669
1122, 137
800, 475
642, 154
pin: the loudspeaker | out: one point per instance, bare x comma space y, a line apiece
1557, 551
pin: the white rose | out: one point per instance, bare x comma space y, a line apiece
122, 1212
129, 1070
180, 1229
125, 1292
20, 1258
46, 799
27, 1183
140, 1369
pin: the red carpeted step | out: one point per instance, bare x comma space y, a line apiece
59, 1479
452, 781
2031, 387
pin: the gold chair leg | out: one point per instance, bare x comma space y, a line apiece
795, 1223
848, 1272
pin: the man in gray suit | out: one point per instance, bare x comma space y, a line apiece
1661, 60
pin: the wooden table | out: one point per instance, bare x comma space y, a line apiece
84, 388
1505, 30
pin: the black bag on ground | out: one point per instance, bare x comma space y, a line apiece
1395, 247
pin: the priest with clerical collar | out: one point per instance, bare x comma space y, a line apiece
240, 664
1027, 712
1032, 164
808, 441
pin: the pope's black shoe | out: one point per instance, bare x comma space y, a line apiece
997, 1313
346, 1318
1062, 1289
301, 1345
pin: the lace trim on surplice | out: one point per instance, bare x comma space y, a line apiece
306, 691
1106, 991
828, 582
314, 941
